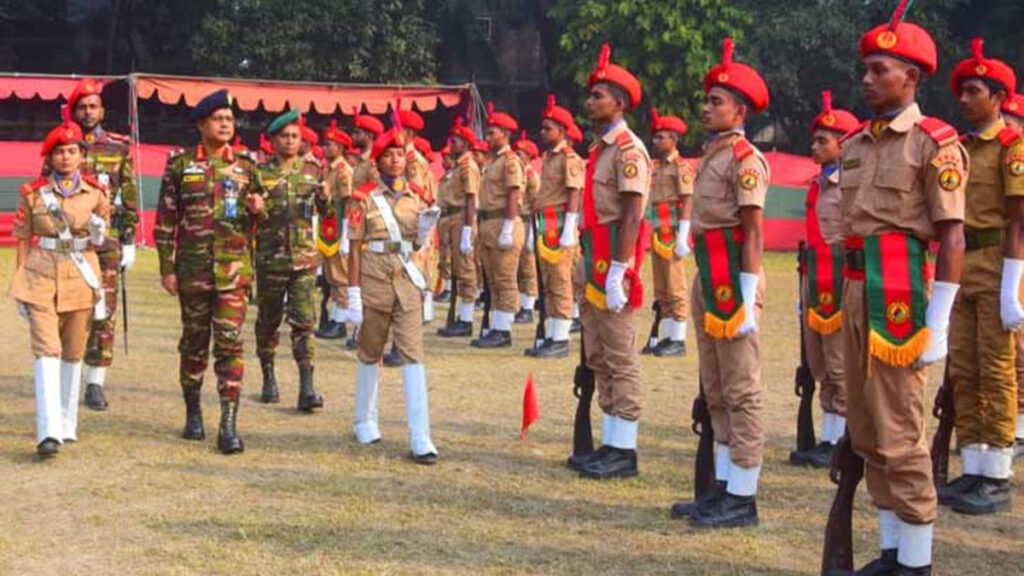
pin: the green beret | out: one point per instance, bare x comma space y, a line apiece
289, 117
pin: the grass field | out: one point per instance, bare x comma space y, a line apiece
305, 498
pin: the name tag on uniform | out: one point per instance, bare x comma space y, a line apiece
193, 169
269, 182
851, 163
190, 178
108, 159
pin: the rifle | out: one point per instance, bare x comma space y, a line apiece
485, 323
542, 310
804, 380
583, 390
652, 336
846, 472
704, 464
945, 411
450, 319
124, 309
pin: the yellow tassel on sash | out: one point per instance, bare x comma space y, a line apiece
549, 255
822, 325
666, 251
720, 329
596, 297
899, 355
327, 250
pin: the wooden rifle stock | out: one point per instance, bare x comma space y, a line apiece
704, 463
542, 309
945, 411
846, 472
583, 389
804, 381
453, 292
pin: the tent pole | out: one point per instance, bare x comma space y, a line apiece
133, 119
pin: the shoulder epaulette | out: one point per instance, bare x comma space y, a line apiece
93, 181
119, 138
625, 140
1009, 136
364, 190
30, 187
938, 130
742, 149
421, 192
863, 125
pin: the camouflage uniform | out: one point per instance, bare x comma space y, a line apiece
203, 240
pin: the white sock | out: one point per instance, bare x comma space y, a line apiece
70, 384
888, 530
971, 458
575, 310
417, 410
723, 462
743, 481
624, 434
96, 375
915, 545
675, 330
502, 320
838, 427
1020, 427
428, 306
446, 285
826, 426
526, 301
607, 429
560, 328
465, 312
365, 426
338, 314
997, 463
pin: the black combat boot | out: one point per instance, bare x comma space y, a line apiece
524, 316
325, 318
884, 565
667, 348
553, 349
686, 508
494, 339
615, 463
269, 395
193, 414
331, 330
308, 396
727, 511
94, 398
48, 448
821, 455
228, 441
459, 329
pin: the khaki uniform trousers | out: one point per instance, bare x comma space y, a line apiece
526, 276
405, 325
886, 420
730, 373
464, 267
59, 334
825, 360
500, 265
336, 273
670, 287
609, 341
558, 284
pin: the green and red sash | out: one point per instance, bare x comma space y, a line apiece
328, 235
664, 217
896, 281
718, 254
824, 288
550, 220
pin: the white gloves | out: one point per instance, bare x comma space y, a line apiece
529, 246
937, 318
505, 238
748, 287
683, 239
568, 237
345, 242
97, 230
615, 296
22, 309
466, 241
127, 256
355, 305
425, 225
1010, 309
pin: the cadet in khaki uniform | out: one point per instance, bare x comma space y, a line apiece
613, 238
526, 275
388, 220
366, 128
732, 180
671, 194
338, 181
202, 241
902, 178
1013, 114
56, 281
287, 257
458, 224
501, 229
985, 316
445, 250
557, 210
417, 171
821, 281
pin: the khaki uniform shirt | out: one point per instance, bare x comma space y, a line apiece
532, 191
671, 179
829, 209
562, 170
622, 166
363, 172
417, 171
465, 181
504, 173
732, 174
338, 179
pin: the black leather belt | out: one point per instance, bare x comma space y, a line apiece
983, 238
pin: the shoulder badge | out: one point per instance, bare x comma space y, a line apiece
30, 187
741, 149
943, 134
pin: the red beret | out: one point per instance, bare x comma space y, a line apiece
903, 40
1014, 106
557, 114
411, 120
335, 134
265, 145
447, 150
666, 123
977, 66
526, 145
500, 119
393, 138
368, 123
423, 145
86, 87
67, 132
738, 78
462, 131
834, 119
574, 133
309, 135
481, 146
617, 75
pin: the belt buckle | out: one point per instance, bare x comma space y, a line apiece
65, 245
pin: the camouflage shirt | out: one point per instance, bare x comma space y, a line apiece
202, 225
284, 237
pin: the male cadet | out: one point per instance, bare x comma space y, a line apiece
110, 159
732, 180
365, 129
501, 229
557, 213
669, 213
614, 194
902, 177
417, 171
821, 282
444, 248
287, 256
1013, 114
338, 182
458, 224
526, 275
987, 310
202, 240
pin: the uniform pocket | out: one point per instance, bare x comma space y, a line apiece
893, 186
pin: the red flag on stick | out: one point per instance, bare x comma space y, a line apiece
530, 410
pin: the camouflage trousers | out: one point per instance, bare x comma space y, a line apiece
99, 351
293, 293
222, 313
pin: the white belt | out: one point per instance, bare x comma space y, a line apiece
58, 245
387, 247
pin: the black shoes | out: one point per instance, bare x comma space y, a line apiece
549, 349
686, 509
443, 296
668, 348
614, 463
309, 398
94, 397
269, 393
428, 459
908, 571
818, 457
952, 491
353, 342
331, 330
524, 316
494, 339
393, 359
885, 565
48, 448
228, 441
193, 414
726, 511
986, 496
577, 461
459, 329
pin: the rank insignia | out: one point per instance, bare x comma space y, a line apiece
851, 163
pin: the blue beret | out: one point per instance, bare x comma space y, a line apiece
289, 117
211, 103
